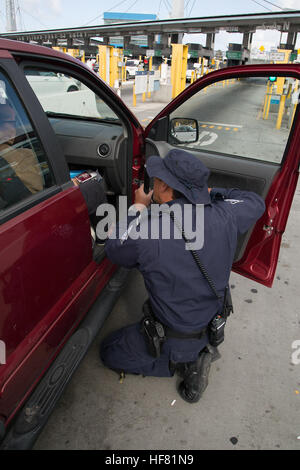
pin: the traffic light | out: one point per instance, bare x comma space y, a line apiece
146, 64
272, 79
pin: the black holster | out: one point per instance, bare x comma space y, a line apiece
153, 331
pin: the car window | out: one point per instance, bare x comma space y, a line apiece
24, 168
64, 95
247, 117
131, 63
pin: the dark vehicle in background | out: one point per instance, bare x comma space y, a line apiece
56, 286
237, 54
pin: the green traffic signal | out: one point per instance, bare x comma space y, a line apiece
272, 79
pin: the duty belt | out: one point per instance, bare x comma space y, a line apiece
169, 332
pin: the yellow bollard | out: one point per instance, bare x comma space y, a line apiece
134, 97
266, 99
102, 61
202, 67
280, 111
178, 68
144, 97
113, 65
266, 115
150, 69
269, 103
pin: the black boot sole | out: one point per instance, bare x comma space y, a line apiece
191, 396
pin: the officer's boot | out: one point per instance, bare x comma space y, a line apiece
195, 378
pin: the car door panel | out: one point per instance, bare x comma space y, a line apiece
257, 251
48, 277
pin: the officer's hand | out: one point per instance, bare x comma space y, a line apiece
141, 197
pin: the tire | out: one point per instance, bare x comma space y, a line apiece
72, 88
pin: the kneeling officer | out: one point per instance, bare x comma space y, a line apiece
188, 303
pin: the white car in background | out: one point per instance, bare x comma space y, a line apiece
47, 82
132, 66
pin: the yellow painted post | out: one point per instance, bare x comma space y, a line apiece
60, 49
178, 68
134, 96
73, 52
102, 62
113, 65
280, 111
266, 99
150, 68
268, 103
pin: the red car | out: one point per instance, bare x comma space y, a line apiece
56, 286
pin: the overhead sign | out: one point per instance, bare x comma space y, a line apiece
277, 56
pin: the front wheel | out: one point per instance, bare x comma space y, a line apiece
72, 88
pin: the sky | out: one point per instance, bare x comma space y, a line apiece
40, 14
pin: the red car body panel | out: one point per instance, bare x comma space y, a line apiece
48, 281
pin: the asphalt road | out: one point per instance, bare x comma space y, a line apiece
230, 119
252, 401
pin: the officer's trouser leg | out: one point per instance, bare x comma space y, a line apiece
125, 351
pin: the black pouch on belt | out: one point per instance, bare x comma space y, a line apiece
153, 331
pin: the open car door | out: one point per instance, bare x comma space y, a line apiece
244, 124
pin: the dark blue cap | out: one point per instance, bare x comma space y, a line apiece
183, 172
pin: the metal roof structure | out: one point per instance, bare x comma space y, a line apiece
284, 21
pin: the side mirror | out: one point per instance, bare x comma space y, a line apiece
183, 130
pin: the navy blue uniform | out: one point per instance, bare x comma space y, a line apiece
180, 296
